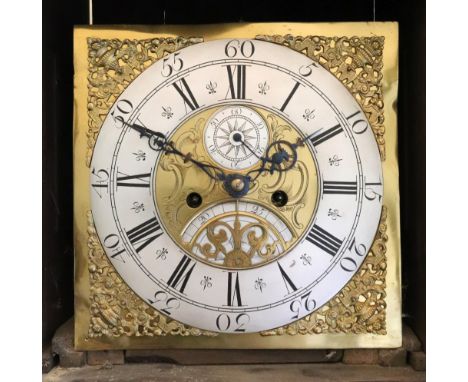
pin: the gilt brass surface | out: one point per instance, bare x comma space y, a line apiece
176, 178
366, 313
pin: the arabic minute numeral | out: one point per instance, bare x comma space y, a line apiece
245, 48
101, 181
306, 70
358, 125
369, 190
112, 242
120, 112
172, 64
359, 249
224, 322
304, 302
348, 263
164, 303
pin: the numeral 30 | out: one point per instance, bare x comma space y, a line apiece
224, 322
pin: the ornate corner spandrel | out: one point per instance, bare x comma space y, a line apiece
360, 306
113, 65
115, 310
356, 61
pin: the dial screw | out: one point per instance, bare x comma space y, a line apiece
194, 200
237, 184
279, 198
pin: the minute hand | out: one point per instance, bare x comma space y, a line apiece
279, 156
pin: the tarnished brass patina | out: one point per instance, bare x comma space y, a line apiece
177, 178
365, 313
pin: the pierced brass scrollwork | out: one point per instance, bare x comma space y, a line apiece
356, 61
360, 307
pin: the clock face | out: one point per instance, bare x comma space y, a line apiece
236, 136
236, 186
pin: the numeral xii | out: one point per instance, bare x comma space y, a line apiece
237, 80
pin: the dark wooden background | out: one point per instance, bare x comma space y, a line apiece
58, 19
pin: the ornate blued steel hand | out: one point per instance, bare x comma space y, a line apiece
279, 156
236, 185
158, 142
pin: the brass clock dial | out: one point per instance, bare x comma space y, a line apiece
235, 192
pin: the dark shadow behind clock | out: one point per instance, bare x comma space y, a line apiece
58, 20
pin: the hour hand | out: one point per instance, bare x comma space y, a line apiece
279, 156
282, 156
158, 141
144, 131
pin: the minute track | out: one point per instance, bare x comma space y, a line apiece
191, 295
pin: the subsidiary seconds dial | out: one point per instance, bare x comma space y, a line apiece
235, 137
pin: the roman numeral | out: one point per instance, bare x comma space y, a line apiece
287, 280
145, 233
343, 188
186, 94
324, 240
286, 102
233, 291
237, 86
137, 180
181, 274
327, 134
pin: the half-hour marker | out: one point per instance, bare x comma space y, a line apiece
137, 180
324, 240
237, 80
290, 286
327, 134
343, 188
286, 102
145, 233
186, 94
181, 274
233, 290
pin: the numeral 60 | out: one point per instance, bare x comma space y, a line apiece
246, 48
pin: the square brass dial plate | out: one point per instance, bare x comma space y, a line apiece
367, 311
